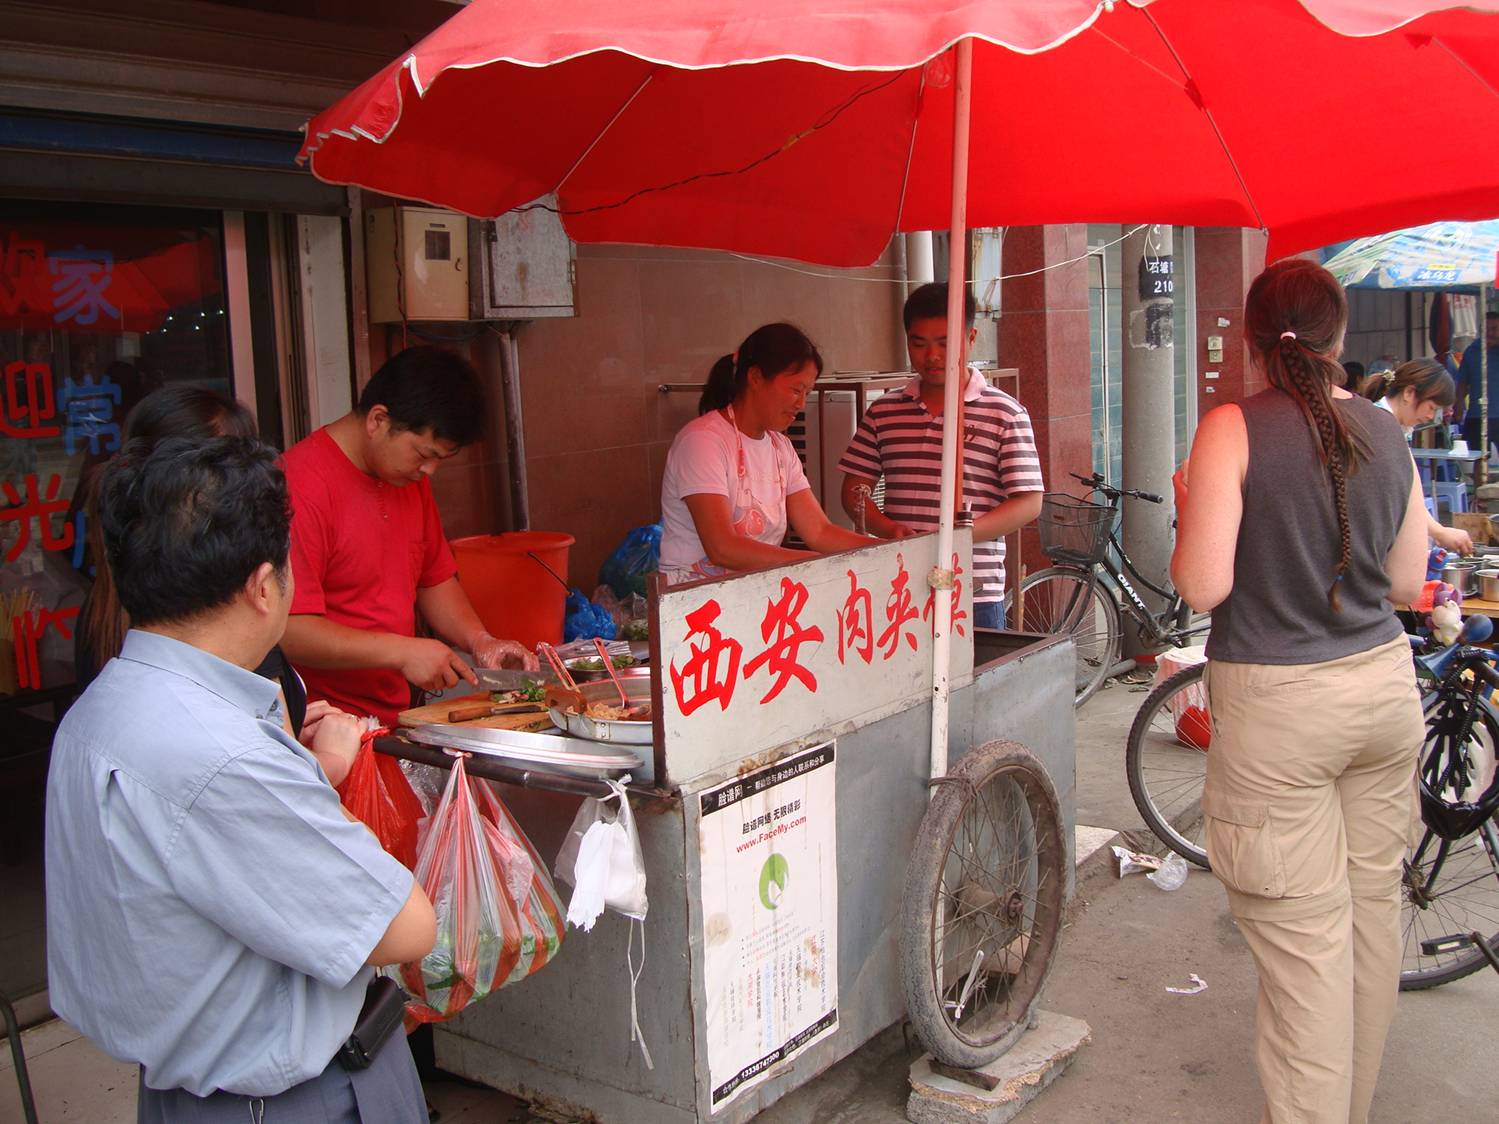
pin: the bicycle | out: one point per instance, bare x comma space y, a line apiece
1450, 884
1083, 595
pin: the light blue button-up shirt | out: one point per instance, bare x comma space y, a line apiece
209, 908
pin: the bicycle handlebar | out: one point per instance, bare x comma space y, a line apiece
1098, 483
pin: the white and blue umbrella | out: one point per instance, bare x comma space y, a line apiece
1441, 255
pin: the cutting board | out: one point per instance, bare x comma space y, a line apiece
437, 713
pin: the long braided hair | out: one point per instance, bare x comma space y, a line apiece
1294, 317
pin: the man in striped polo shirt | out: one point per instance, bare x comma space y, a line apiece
900, 438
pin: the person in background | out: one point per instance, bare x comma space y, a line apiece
1416, 393
1301, 522
196, 413
368, 548
213, 914
1470, 385
1354, 372
900, 438
733, 481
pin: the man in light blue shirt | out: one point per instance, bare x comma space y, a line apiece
212, 911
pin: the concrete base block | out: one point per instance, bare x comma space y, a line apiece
1036, 1059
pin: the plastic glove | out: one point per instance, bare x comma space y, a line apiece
492, 652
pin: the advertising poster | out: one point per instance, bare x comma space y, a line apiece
770, 917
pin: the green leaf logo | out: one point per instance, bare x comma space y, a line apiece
773, 877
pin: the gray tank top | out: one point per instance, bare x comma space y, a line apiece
1288, 542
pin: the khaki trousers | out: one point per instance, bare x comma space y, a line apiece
1308, 804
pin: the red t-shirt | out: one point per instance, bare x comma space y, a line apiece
360, 549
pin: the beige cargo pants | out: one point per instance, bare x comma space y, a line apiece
1308, 807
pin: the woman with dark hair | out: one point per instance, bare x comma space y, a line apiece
1303, 522
197, 413
1415, 392
733, 481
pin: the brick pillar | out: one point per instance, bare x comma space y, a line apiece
1228, 260
1044, 332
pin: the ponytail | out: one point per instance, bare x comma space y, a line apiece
1295, 315
722, 386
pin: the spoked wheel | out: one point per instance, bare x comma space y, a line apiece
1166, 761
1451, 887
983, 905
1065, 600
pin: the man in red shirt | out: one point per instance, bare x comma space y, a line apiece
368, 551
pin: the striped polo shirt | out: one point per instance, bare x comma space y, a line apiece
901, 441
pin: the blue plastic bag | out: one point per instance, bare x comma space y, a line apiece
584, 619
640, 554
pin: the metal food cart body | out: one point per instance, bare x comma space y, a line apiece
563, 1035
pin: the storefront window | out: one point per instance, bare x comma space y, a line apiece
98, 307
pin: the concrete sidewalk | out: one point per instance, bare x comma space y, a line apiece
1155, 1056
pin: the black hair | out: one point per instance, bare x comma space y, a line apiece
931, 300
188, 410
1355, 371
187, 522
772, 349
1429, 378
429, 388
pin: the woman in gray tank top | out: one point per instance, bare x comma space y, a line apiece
1303, 521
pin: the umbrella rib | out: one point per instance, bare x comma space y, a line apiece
618, 113
905, 179
1195, 94
1462, 62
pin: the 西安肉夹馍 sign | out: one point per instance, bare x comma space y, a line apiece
754, 662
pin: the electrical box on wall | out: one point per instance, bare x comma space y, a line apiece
523, 265
417, 264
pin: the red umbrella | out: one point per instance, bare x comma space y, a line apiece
815, 130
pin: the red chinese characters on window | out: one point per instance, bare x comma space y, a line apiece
27, 630
929, 610
856, 622
30, 401
781, 656
900, 611
711, 672
38, 508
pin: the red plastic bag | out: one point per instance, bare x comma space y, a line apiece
498, 917
378, 794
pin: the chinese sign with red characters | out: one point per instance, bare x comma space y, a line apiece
754, 662
99, 305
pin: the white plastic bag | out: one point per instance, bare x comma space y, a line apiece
601, 859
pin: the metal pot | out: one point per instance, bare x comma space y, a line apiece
1462, 576
1488, 585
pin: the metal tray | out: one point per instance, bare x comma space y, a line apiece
537, 751
637, 690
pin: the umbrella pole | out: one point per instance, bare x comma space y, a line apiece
1481, 468
957, 336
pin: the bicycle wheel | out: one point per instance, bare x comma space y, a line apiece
982, 907
1065, 599
1166, 760
1451, 887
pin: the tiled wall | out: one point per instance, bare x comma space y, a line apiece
598, 429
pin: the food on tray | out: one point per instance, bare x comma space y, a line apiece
598, 664
532, 692
614, 712
637, 630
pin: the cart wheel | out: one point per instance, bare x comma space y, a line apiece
982, 908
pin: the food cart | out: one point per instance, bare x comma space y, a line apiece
777, 808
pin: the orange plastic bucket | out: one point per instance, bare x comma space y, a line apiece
511, 591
